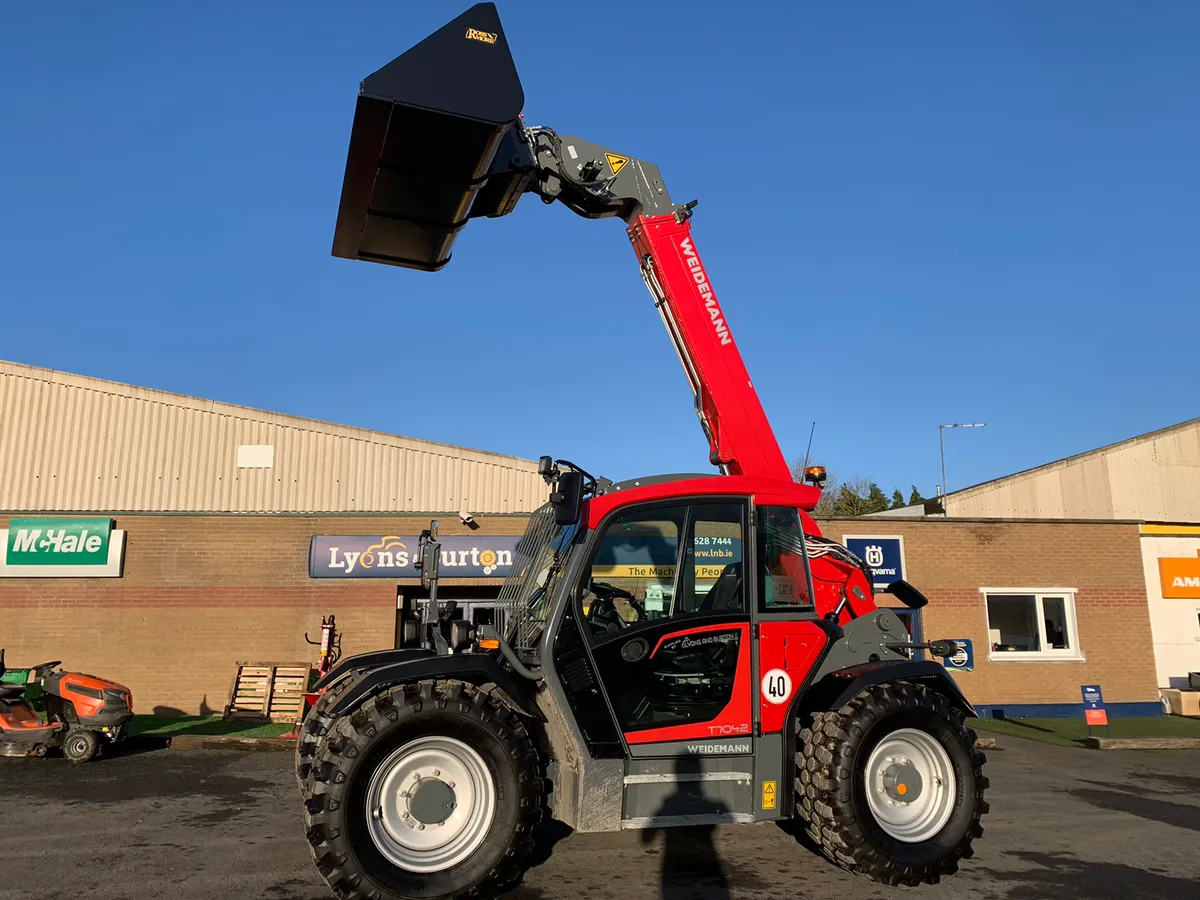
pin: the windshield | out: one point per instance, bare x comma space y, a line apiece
538, 561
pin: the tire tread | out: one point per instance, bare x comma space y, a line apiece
825, 774
346, 737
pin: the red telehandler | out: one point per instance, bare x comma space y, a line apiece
669, 651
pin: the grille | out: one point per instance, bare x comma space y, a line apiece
534, 553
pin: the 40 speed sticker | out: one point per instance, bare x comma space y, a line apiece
777, 686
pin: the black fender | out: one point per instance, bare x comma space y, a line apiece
372, 660
472, 668
838, 688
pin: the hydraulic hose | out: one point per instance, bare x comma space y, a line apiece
490, 633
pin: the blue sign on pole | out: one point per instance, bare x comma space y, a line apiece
1094, 710
395, 556
883, 554
964, 659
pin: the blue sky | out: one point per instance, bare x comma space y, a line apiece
912, 214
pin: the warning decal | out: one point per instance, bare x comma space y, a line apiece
617, 163
768, 801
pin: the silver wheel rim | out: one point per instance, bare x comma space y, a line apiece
910, 784
431, 773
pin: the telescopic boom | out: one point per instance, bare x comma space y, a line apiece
438, 139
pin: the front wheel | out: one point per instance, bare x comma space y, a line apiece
314, 727
891, 786
80, 746
428, 790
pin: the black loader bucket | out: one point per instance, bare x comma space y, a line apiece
432, 145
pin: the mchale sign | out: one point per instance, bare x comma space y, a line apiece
61, 548
395, 556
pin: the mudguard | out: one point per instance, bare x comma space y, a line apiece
407, 667
838, 688
372, 660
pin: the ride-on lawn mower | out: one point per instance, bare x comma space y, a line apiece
82, 711
668, 651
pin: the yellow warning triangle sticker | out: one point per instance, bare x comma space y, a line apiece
617, 163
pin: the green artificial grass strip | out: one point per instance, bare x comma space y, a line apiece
1072, 731
169, 726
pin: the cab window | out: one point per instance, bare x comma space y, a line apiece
783, 576
643, 572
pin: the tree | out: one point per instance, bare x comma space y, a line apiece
877, 500
856, 496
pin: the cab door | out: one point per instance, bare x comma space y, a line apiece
666, 606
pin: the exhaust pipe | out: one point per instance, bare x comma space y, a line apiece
436, 141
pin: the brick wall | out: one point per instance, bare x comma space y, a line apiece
949, 561
200, 593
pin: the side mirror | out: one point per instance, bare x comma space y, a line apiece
461, 635
429, 555
907, 594
568, 499
411, 633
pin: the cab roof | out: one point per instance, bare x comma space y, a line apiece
765, 491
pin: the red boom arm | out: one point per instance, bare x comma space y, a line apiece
740, 438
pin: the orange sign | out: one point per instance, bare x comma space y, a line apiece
1180, 577
1096, 716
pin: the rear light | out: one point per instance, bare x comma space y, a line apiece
489, 644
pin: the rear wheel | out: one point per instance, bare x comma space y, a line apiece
314, 727
891, 786
428, 790
80, 745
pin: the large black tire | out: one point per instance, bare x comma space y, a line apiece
335, 794
315, 726
80, 745
831, 787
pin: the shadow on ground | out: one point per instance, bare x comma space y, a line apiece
1064, 877
1139, 800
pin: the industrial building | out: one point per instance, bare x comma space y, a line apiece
208, 514
182, 537
1148, 489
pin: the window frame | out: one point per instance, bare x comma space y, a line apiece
1039, 594
596, 537
780, 613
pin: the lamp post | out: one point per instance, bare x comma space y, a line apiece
942, 441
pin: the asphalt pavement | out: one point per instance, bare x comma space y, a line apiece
1065, 824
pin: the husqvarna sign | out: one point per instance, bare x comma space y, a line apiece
61, 548
395, 556
883, 554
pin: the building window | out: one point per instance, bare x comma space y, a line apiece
1031, 624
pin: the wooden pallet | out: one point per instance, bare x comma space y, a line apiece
268, 692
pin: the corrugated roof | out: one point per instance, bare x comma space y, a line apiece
1078, 457
70, 442
1151, 477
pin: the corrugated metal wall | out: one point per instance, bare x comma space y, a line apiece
74, 443
1155, 478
